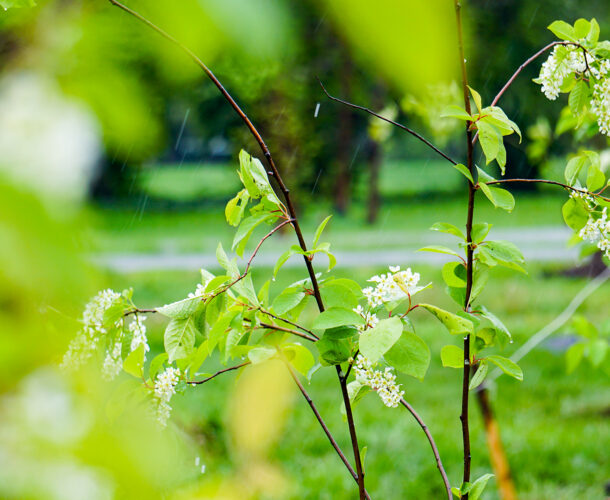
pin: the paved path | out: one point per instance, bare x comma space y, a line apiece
546, 244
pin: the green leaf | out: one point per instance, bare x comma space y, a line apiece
341, 332
337, 295
573, 168
282, 260
453, 111
455, 324
336, 316
182, 308
507, 366
452, 356
179, 338
579, 98
478, 486
299, 357
584, 327
134, 362
454, 274
476, 97
480, 232
497, 117
333, 352
479, 375
439, 249
597, 351
502, 333
319, 230
234, 211
504, 251
501, 198
574, 214
289, 299
198, 357
220, 327
490, 139
409, 355
574, 356
445, 227
593, 35
562, 30
375, 342
246, 228
156, 364
581, 28
464, 171
261, 354
595, 178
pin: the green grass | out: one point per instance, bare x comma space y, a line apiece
130, 230
554, 426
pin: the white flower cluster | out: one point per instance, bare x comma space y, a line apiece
563, 62
370, 319
84, 344
600, 103
598, 231
138, 332
395, 285
165, 388
382, 382
113, 362
199, 291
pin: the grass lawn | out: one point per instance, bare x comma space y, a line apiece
554, 426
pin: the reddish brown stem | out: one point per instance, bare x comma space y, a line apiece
469, 251
220, 372
437, 456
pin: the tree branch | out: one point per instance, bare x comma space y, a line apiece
437, 456
286, 194
288, 330
469, 251
333, 443
396, 124
296, 325
555, 183
220, 372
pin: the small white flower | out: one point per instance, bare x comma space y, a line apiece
138, 331
113, 363
382, 382
165, 388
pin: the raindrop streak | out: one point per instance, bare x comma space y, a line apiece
315, 113
182, 128
533, 16
354, 157
315, 184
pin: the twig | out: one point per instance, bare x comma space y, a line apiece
522, 67
330, 437
396, 124
231, 368
139, 311
296, 325
291, 209
469, 252
288, 330
437, 456
545, 181
540, 336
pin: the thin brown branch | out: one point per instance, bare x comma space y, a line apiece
330, 437
276, 228
523, 66
288, 330
555, 183
469, 251
274, 170
286, 194
137, 310
296, 325
352, 431
437, 456
220, 372
396, 124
